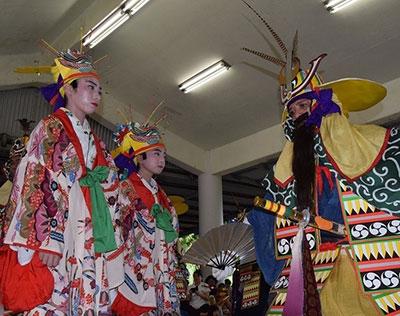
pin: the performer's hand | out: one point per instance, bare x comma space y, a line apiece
49, 259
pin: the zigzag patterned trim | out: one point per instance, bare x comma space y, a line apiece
388, 303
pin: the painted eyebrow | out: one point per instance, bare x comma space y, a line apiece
94, 83
160, 151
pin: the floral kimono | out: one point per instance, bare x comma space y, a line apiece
150, 259
53, 209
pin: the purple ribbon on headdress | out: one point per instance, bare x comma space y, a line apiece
126, 164
52, 94
324, 106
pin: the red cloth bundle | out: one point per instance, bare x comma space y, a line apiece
23, 287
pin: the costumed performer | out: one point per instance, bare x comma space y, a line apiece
346, 173
149, 225
61, 249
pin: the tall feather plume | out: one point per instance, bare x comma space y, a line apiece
123, 115
295, 45
152, 113
99, 59
161, 118
295, 60
271, 30
267, 57
131, 111
50, 48
81, 41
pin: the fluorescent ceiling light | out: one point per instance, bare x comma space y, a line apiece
112, 21
204, 76
335, 5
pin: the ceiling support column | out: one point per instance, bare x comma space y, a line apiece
210, 202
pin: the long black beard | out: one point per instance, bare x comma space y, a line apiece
303, 164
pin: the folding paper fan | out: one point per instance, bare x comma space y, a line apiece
223, 246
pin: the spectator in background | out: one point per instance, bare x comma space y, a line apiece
224, 300
198, 295
212, 283
228, 286
214, 310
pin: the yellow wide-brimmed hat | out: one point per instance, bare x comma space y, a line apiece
356, 94
353, 93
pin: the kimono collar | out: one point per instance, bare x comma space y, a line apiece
76, 123
151, 185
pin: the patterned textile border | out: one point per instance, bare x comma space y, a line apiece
285, 231
323, 262
388, 303
251, 291
375, 239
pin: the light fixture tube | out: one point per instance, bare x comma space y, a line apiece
335, 5
112, 21
204, 76
135, 5
105, 32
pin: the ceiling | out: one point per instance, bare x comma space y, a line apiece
24, 22
168, 41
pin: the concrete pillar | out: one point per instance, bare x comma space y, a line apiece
210, 202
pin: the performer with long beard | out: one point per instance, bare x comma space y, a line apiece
345, 173
303, 157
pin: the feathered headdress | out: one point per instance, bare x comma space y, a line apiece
134, 138
354, 94
69, 66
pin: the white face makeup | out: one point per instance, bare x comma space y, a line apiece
85, 98
154, 163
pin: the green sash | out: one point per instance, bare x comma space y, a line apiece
164, 221
103, 231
